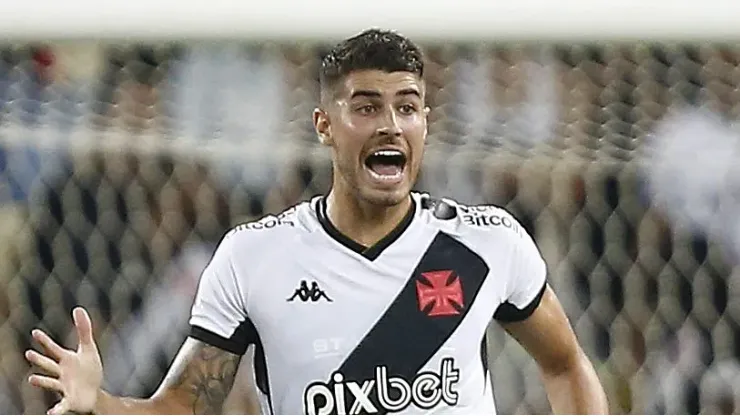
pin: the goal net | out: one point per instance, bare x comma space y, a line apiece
128, 145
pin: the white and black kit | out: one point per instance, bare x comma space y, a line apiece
398, 327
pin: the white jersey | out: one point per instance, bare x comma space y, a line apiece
398, 327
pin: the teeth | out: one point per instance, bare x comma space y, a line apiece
385, 177
387, 153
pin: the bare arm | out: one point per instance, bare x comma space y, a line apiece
198, 382
243, 398
570, 380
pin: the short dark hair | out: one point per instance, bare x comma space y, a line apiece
377, 49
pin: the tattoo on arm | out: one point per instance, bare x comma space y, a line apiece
206, 377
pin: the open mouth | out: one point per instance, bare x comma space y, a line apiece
386, 165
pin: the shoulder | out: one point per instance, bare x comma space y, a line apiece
485, 221
267, 228
492, 217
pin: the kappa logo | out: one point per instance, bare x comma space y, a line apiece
313, 294
440, 293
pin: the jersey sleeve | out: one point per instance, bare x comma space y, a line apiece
527, 280
218, 315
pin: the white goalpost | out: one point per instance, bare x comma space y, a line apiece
574, 20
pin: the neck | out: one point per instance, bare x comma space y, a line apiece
363, 222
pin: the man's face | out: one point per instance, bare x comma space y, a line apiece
376, 124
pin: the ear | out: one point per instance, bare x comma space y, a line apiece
322, 125
426, 121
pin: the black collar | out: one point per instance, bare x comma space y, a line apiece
372, 252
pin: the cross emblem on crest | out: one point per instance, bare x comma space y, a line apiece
440, 293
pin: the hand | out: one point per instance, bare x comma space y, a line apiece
76, 375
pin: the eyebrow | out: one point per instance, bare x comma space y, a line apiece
409, 91
375, 94
365, 93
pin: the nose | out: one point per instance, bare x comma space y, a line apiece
389, 125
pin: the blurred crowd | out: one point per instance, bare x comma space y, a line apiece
122, 167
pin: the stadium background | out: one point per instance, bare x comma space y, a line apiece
122, 163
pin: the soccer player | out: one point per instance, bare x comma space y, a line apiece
372, 299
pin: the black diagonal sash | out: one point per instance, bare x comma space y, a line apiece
405, 338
